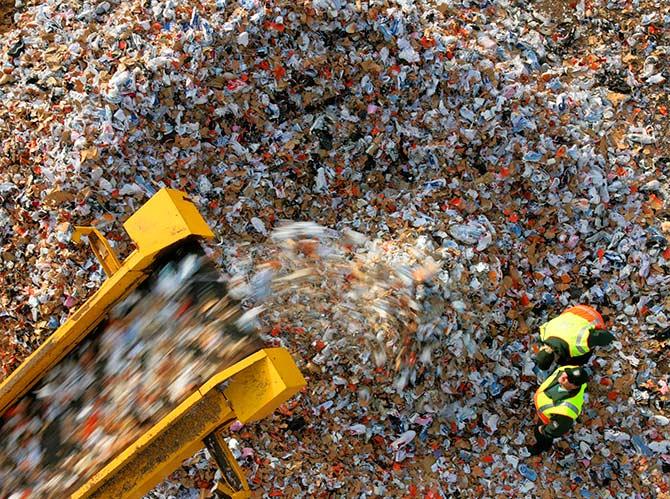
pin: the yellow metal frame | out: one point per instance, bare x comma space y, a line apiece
100, 246
247, 391
234, 487
168, 218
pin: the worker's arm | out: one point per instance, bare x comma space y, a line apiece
580, 360
545, 434
600, 338
544, 358
558, 426
560, 349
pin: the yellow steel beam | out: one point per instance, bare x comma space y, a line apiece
161, 450
166, 219
100, 246
257, 391
66, 337
232, 483
169, 216
257, 385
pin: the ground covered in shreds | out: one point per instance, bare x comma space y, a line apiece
520, 146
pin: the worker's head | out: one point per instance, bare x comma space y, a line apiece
573, 377
544, 358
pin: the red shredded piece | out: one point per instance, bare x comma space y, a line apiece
279, 71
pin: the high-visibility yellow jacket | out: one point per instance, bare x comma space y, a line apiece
570, 405
573, 327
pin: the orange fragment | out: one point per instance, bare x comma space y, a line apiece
655, 202
308, 247
427, 42
279, 71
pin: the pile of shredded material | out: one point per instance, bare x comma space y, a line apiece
509, 154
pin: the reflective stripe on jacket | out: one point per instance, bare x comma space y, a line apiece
573, 327
571, 406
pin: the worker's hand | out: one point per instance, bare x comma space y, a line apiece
541, 432
551, 426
